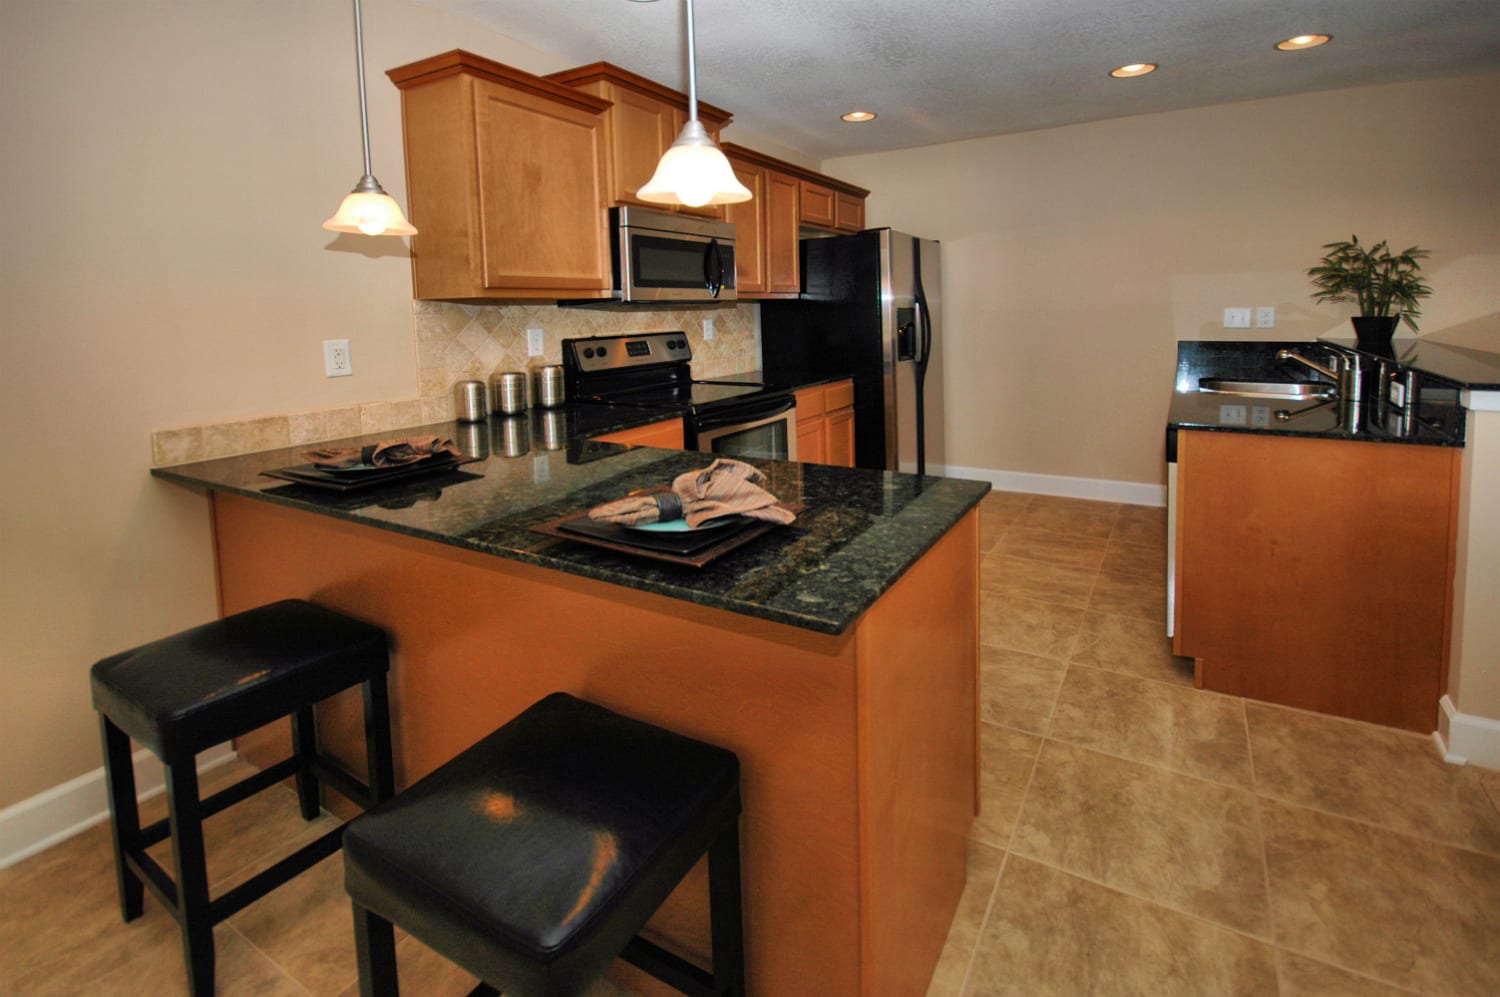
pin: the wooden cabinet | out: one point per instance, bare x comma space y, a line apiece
825, 424
848, 212
643, 122
817, 204
666, 434
751, 267
503, 174
783, 262
1317, 573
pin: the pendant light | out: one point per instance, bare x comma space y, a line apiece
367, 209
693, 171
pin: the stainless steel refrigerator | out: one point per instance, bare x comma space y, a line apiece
871, 308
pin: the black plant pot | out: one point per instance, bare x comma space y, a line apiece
1374, 332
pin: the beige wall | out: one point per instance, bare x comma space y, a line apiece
1075, 258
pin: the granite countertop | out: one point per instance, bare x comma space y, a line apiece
858, 534
1370, 421
1465, 367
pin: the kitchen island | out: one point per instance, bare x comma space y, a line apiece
837, 657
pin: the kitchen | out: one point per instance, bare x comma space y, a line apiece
190, 316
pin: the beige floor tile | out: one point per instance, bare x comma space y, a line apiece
1038, 580
1050, 933
307, 928
1186, 730
1181, 842
1123, 594
1052, 548
1126, 644
1141, 524
1391, 778
1039, 628
1006, 760
1304, 977
1136, 559
1490, 780
1072, 516
423, 971
953, 965
1018, 690
58, 906
1403, 910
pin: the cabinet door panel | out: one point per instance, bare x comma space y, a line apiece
749, 219
841, 437
641, 130
817, 205
782, 224
541, 202
666, 434
848, 213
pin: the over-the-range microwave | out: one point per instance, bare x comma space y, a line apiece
661, 257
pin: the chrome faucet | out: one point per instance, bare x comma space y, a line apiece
1345, 373
1332, 375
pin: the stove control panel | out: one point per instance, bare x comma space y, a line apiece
615, 353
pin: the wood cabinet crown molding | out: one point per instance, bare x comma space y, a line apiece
791, 169
459, 61
608, 72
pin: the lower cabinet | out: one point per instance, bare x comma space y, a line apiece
666, 434
1317, 573
825, 424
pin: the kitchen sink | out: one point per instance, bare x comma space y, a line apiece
1289, 390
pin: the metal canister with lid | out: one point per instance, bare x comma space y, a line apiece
510, 394
549, 386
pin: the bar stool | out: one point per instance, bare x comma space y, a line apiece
205, 686
534, 858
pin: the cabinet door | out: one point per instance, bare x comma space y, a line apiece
541, 199
841, 437
848, 212
641, 129
817, 205
783, 217
812, 440
666, 434
749, 219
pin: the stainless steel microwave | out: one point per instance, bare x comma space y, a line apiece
662, 256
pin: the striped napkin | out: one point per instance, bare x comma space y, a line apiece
724, 488
387, 453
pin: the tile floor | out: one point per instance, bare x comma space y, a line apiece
1137, 836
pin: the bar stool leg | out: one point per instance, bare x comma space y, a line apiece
725, 912
378, 752
375, 953
193, 913
305, 748
125, 817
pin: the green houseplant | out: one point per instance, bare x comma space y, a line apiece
1386, 286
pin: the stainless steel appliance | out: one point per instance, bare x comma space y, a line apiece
735, 416
659, 256
870, 307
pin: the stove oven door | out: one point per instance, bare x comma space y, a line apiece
762, 429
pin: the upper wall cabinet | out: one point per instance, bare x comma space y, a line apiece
505, 176
646, 118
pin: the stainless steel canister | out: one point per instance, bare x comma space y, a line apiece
471, 401
474, 439
509, 391
549, 386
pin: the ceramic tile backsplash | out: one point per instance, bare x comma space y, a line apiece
470, 342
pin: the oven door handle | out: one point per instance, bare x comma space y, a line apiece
762, 409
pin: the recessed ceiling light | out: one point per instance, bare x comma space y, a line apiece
1134, 69
859, 116
1302, 41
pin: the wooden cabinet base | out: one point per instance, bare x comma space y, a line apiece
858, 752
1318, 573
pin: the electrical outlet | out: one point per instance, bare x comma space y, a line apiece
536, 342
337, 361
708, 329
1265, 317
1236, 318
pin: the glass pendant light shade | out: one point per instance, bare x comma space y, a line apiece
367, 209
694, 172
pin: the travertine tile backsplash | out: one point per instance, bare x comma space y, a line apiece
469, 342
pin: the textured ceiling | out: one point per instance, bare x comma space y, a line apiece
940, 70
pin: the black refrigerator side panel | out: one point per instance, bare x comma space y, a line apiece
835, 328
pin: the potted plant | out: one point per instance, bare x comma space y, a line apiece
1385, 286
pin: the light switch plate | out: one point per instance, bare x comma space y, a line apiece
1265, 317
536, 341
1236, 318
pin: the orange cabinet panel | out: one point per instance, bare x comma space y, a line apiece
666, 434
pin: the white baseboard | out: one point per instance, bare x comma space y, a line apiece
1098, 489
36, 824
1466, 737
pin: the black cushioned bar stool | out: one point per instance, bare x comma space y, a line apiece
534, 858
203, 687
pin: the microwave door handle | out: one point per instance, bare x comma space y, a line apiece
713, 268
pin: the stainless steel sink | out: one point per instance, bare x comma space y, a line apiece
1285, 390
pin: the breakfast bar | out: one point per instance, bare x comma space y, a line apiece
837, 657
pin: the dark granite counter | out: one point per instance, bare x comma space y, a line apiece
1435, 419
860, 530
1475, 370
